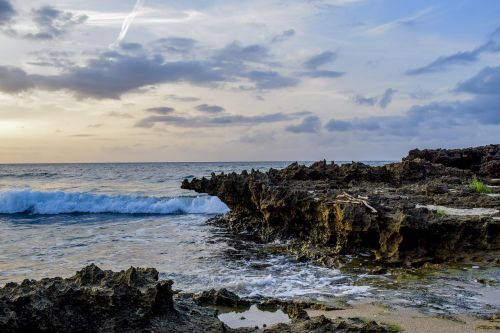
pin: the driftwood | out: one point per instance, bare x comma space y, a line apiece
347, 198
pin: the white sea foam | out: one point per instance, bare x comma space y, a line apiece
60, 202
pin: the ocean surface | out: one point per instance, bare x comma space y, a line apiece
57, 218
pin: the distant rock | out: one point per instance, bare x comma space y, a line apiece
483, 161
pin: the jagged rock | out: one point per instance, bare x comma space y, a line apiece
222, 297
132, 301
484, 161
322, 324
293, 308
94, 300
308, 206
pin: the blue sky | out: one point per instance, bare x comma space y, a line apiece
245, 80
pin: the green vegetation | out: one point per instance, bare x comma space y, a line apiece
488, 327
441, 212
394, 327
479, 186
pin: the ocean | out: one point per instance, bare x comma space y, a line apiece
57, 218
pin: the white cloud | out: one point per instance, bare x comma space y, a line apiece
407, 20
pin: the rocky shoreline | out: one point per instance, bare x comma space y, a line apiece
420, 210
436, 206
135, 300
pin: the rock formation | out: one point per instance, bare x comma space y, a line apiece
484, 161
391, 212
134, 300
94, 300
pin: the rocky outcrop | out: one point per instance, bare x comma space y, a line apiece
94, 300
222, 297
322, 324
484, 161
325, 210
134, 300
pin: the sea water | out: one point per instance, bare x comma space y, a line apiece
57, 218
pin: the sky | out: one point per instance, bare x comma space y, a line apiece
221, 80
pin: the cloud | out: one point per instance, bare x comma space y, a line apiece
210, 108
7, 12
217, 121
271, 80
161, 110
404, 21
120, 115
420, 93
111, 74
130, 46
386, 98
361, 100
320, 59
338, 3
177, 45
287, 34
14, 80
257, 137
318, 73
81, 135
482, 109
94, 126
368, 124
443, 63
182, 98
128, 22
311, 124
50, 58
383, 101
236, 53
486, 82
53, 23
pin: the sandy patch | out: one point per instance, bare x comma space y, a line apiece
410, 321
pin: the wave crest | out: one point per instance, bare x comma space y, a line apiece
60, 202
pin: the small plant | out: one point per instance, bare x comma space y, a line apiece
441, 212
479, 186
394, 327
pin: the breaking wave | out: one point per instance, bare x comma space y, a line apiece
60, 202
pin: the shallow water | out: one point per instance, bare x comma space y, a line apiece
253, 317
168, 231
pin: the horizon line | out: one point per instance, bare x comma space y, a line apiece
184, 162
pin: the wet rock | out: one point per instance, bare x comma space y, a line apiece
322, 324
294, 309
134, 301
222, 297
94, 300
326, 210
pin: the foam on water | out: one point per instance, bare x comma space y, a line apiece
61, 202
151, 222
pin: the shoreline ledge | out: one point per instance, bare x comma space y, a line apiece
134, 300
398, 214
